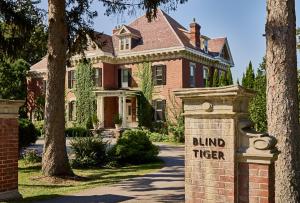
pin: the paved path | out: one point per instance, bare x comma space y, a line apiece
166, 185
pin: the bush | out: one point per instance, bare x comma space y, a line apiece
157, 137
39, 125
177, 130
160, 127
134, 147
77, 132
89, 152
31, 157
27, 133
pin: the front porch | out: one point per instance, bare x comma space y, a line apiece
111, 103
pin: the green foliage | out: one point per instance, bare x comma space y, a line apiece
160, 127
32, 157
145, 110
222, 81
208, 81
158, 137
89, 152
28, 134
13, 79
84, 95
117, 119
229, 80
249, 79
177, 129
39, 109
22, 32
134, 147
257, 106
77, 132
39, 125
215, 82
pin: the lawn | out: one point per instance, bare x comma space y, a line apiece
33, 186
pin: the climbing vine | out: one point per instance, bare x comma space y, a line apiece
145, 110
84, 94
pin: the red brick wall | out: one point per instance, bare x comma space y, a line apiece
110, 76
186, 74
256, 183
110, 110
8, 154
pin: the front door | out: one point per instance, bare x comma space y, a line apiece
129, 112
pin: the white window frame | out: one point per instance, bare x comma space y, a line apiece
124, 80
205, 74
192, 77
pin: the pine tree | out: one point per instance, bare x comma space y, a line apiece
215, 82
249, 78
229, 80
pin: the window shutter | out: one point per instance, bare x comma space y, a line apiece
100, 77
164, 72
154, 75
129, 77
69, 79
164, 110
119, 78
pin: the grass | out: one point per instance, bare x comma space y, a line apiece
33, 186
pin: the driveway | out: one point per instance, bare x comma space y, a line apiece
166, 185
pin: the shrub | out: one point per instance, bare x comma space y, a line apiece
32, 157
117, 119
27, 133
134, 147
89, 152
157, 137
39, 125
160, 127
77, 132
177, 130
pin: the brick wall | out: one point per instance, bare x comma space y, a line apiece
256, 183
9, 153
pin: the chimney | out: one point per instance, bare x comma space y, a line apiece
116, 29
195, 33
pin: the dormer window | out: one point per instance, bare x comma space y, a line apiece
124, 43
206, 46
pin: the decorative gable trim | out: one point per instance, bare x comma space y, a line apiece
226, 46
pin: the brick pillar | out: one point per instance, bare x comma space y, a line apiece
9, 153
225, 159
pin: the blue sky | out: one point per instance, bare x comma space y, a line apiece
242, 21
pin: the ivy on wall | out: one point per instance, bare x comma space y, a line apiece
145, 110
85, 96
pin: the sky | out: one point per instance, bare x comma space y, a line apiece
241, 21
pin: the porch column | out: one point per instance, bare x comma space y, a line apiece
120, 106
100, 109
124, 114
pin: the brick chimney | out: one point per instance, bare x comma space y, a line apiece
195, 33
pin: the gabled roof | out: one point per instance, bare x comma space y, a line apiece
40, 66
104, 42
216, 45
129, 30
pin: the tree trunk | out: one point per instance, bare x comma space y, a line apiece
282, 96
55, 160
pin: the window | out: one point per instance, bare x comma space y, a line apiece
72, 111
205, 76
159, 110
192, 74
98, 77
124, 43
159, 74
71, 79
124, 75
205, 46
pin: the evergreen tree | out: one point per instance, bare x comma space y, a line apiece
249, 78
229, 80
257, 107
215, 82
84, 94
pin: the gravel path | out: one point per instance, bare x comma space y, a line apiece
166, 185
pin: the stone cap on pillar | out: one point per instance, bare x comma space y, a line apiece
215, 100
10, 108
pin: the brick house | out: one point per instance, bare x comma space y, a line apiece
180, 58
